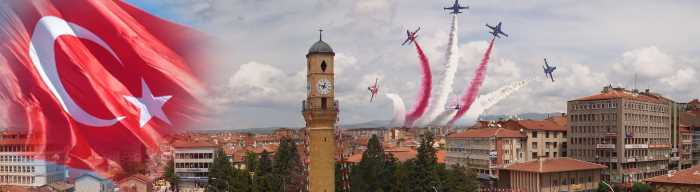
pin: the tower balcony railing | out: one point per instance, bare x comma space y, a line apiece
306, 106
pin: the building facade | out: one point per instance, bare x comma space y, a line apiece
485, 149
628, 131
551, 175
93, 183
20, 166
545, 138
687, 180
320, 111
192, 161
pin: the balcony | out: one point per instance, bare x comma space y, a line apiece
305, 106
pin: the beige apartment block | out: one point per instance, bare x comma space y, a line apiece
627, 130
545, 138
485, 149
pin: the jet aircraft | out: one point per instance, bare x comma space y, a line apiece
411, 36
548, 70
496, 30
456, 8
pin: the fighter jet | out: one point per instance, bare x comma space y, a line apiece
453, 105
496, 30
548, 70
456, 8
373, 90
411, 36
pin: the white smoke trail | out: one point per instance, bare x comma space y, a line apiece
438, 105
399, 110
483, 103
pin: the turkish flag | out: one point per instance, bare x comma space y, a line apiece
97, 83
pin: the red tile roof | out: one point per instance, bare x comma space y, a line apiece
616, 93
487, 132
550, 124
194, 144
694, 102
690, 176
562, 164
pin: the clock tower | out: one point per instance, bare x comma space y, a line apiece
320, 110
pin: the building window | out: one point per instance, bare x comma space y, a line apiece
546, 154
546, 134
323, 66
534, 134
534, 145
534, 155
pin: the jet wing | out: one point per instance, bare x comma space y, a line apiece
404, 42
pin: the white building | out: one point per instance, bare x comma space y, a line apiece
93, 183
192, 161
21, 167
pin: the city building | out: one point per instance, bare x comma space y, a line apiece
136, 183
545, 138
551, 175
687, 180
92, 183
627, 130
20, 166
320, 111
192, 161
485, 149
691, 119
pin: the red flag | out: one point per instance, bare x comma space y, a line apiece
96, 83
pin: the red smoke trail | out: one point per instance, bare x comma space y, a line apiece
473, 89
425, 89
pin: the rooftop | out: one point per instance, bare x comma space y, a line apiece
621, 93
690, 176
550, 124
487, 132
555, 165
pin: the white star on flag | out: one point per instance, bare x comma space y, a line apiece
149, 105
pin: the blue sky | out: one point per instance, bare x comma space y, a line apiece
259, 48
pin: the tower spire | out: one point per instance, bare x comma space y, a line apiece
320, 34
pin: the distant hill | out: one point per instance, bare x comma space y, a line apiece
533, 116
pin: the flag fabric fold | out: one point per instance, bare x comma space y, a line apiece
99, 84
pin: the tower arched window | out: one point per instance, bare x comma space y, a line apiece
323, 66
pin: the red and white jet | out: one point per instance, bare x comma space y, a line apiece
411, 36
373, 89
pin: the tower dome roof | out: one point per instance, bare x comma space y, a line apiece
320, 47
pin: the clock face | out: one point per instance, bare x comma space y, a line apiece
324, 86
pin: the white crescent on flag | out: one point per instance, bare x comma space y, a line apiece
41, 51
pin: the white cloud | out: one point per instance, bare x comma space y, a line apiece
593, 44
647, 62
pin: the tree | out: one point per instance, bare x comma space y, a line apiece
171, 177
263, 173
251, 161
220, 173
457, 179
425, 176
602, 187
367, 175
642, 187
287, 168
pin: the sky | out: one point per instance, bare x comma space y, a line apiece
258, 48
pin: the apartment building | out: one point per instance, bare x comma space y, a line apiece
545, 138
626, 130
485, 149
192, 161
20, 166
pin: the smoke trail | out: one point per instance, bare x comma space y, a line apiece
473, 89
399, 110
425, 88
482, 103
438, 104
